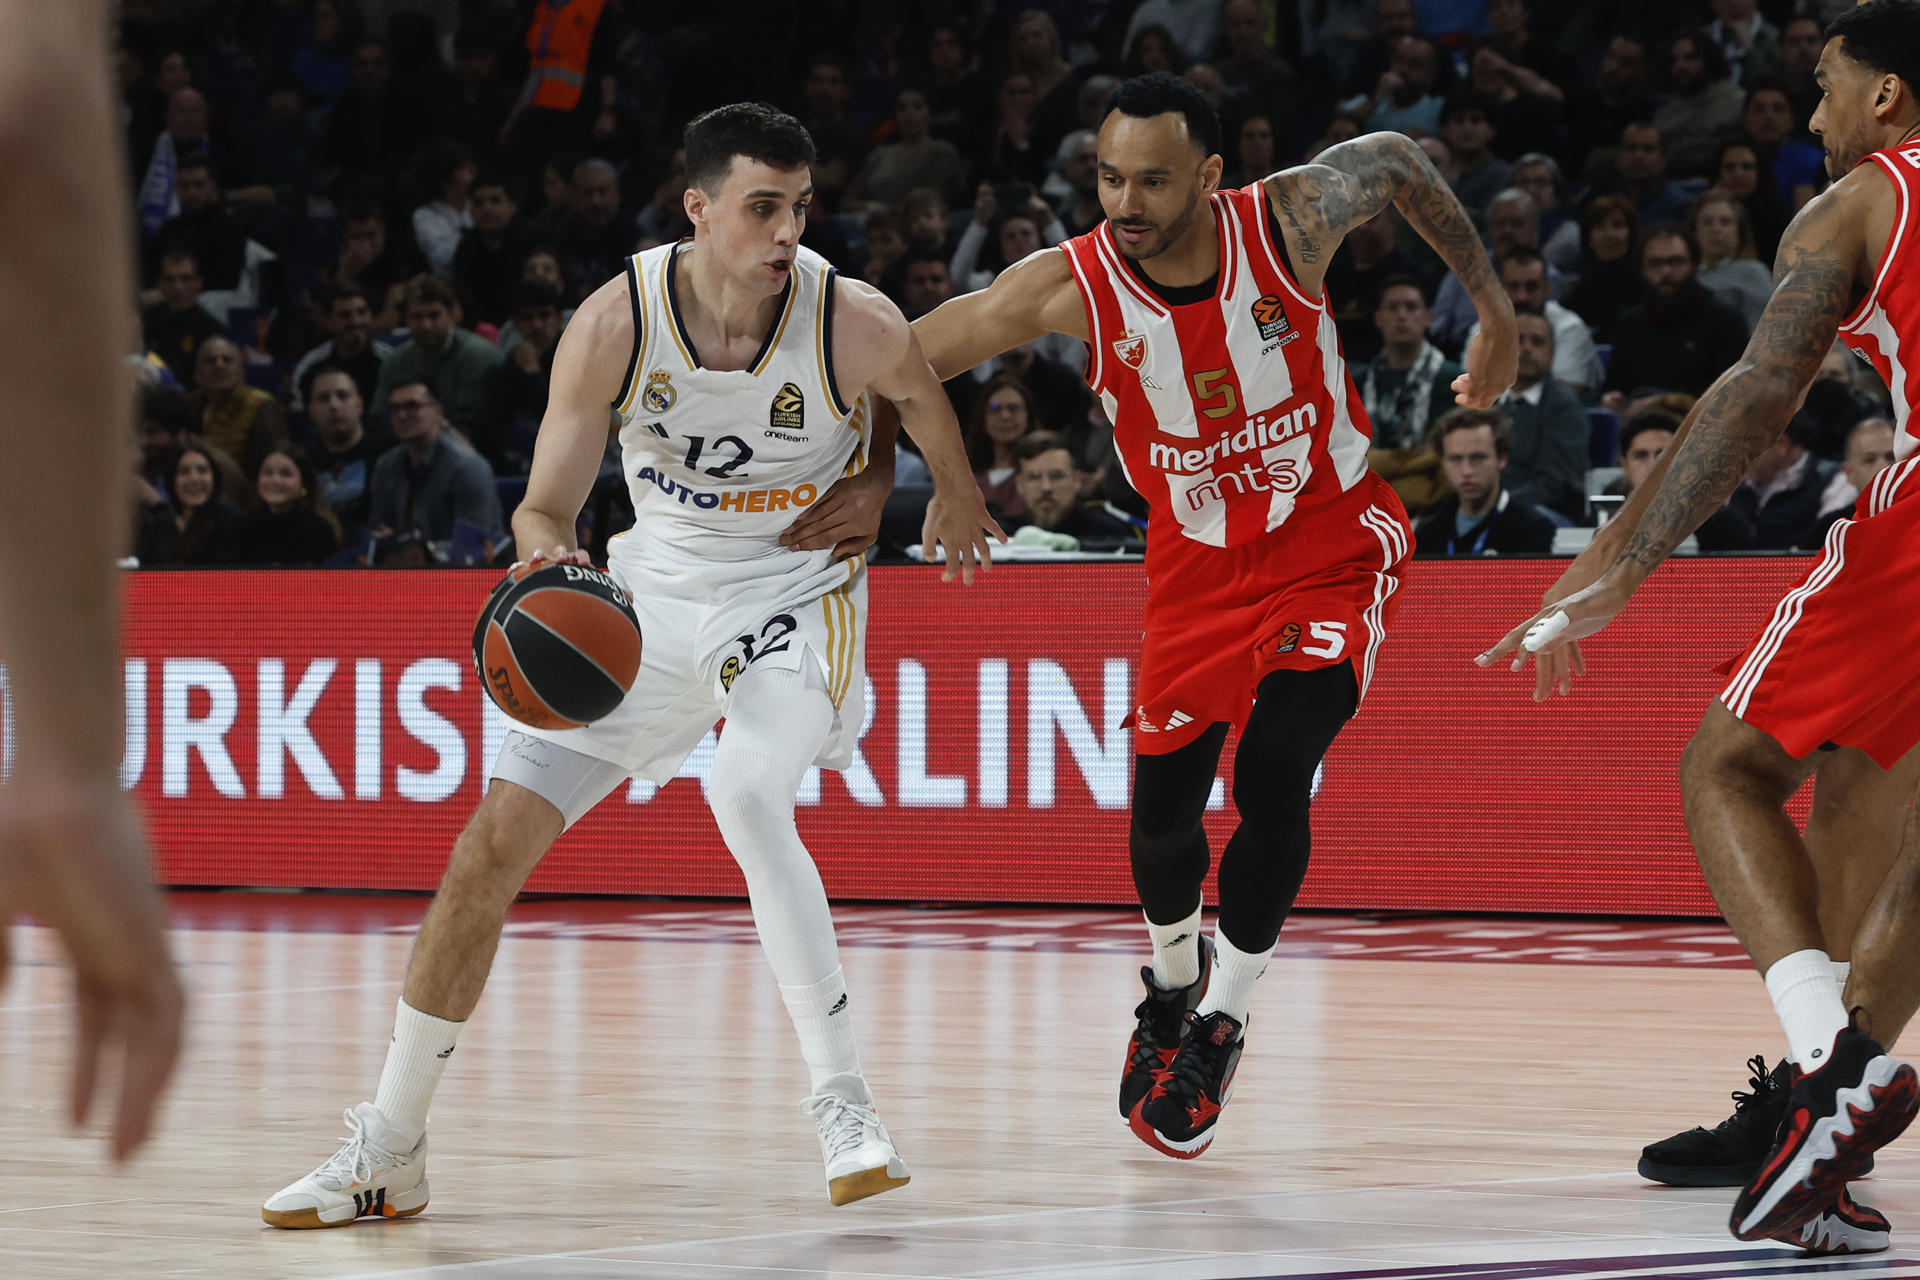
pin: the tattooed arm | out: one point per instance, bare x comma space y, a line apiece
1813, 286
1347, 184
1821, 264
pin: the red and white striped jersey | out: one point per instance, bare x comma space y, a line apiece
1231, 414
1884, 329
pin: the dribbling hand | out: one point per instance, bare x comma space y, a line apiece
558, 555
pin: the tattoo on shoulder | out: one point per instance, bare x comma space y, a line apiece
1308, 246
1352, 181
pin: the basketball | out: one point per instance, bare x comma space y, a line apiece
557, 647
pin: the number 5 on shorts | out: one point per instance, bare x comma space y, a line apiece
1334, 635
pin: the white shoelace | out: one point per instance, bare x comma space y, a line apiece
356, 1162
843, 1124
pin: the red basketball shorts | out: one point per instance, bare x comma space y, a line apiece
1839, 661
1219, 619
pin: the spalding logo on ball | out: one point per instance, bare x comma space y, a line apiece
557, 647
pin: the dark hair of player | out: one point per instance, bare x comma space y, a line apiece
1883, 36
751, 129
1160, 92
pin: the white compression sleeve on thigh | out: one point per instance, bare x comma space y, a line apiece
776, 724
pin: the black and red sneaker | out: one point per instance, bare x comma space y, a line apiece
1845, 1226
1176, 1117
1159, 1021
1857, 1101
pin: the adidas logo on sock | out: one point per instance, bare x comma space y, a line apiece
1177, 941
445, 1053
838, 1005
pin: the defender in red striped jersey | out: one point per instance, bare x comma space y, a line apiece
1273, 553
1835, 674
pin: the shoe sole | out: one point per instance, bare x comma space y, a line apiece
1166, 1147
1721, 1175
858, 1186
310, 1219
1811, 1180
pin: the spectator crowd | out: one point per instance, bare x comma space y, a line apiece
364, 227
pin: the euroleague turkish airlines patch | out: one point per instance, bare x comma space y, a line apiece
1289, 638
1270, 313
789, 409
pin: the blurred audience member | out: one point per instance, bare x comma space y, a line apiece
352, 346
1406, 389
1737, 172
289, 523
461, 366
486, 265
1466, 122
1003, 414
430, 480
195, 525
592, 240
445, 172
1704, 108
1547, 466
1869, 452
1643, 438
1610, 275
1678, 338
1051, 482
1776, 504
1729, 270
176, 325
1480, 517
205, 227
914, 158
239, 420
347, 446
1523, 273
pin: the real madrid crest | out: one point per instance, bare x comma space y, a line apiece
659, 395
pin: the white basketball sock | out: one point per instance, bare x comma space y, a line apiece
1841, 968
1230, 990
1809, 1005
821, 1017
416, 1058
1176, 951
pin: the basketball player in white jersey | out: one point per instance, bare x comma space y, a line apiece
738, 365
1837, 668
72, 854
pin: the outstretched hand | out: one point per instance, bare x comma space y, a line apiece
959, 526
1560, 625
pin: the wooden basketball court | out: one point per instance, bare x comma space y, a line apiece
1421, 1099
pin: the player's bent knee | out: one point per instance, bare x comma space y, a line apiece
1726, 755
508, 834
744, 802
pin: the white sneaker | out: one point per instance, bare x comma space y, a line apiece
860, 1158
364, 1177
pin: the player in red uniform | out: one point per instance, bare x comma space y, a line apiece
1837, 667
1273, 554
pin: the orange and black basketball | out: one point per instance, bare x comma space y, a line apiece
557, 647
1269, 308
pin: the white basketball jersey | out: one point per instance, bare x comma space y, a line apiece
720, 463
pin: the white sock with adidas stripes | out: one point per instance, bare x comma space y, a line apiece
825, 1026
416, 1059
